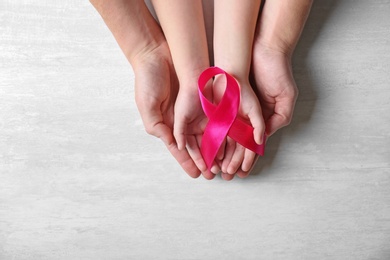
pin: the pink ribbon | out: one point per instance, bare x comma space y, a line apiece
223, 120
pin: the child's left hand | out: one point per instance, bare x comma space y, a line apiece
233, 157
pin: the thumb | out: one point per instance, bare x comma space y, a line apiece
257, 121
154, 122
178, 132
162, 131
282, 115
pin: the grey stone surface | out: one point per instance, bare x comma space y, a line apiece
80, 179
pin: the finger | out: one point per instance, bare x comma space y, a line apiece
227, 177
257, 121
282, 115
249, 158
215, 168
194, 152
243, 174
237, 159
184, 159
179, 132
162, 131
221, 151
229, 151
208, 175
152, 117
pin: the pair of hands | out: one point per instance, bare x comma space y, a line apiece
156, 89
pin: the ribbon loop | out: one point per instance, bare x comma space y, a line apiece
223, 120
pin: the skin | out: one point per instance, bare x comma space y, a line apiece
184, 29
183, 26
233, 40
156, 84
278, 31
142, 41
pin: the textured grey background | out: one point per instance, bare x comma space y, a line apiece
80, 179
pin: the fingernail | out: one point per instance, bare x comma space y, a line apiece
215, 169
180, 146
165, 141
230, 170
245, 169
260, 140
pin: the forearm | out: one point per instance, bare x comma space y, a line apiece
234, 28
281, 24
184, 29
132, 25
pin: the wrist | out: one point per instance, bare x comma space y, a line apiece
264, 49
281, 24
241, 75
146, 43
132, 25
147, 52
234, 60
188, 76
274, 45
150, 54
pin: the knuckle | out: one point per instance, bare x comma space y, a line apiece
230, 143
233, 166
295, 92
149, 129
286, 120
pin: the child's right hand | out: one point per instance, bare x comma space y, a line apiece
189, 125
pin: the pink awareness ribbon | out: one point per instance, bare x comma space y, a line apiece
223, 119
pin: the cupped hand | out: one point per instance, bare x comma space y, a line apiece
233, 157
156, 88
275, 85
190, 122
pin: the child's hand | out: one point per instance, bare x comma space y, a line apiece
189, 125
233, 41
184, 30
234, 158
156, 87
